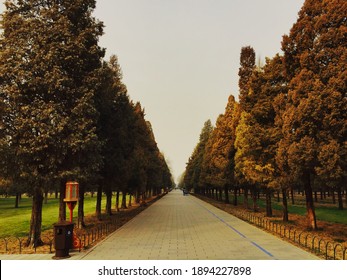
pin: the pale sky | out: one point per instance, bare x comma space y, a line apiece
180, 58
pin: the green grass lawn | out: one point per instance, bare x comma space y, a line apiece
16, 221
324, 213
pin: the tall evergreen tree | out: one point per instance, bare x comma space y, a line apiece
157, 166
246, 143
115, 109
194, 165
260, 140
314, 120
247, 66
48, 62
218, 162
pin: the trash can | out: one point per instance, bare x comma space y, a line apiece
63, 239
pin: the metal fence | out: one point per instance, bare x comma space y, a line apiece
308, 240
316, 244
17, 245
83, 240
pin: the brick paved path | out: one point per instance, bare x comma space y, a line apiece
181, 227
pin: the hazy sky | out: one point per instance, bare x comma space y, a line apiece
180, 58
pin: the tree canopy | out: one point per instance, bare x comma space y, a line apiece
64, 112
292, 126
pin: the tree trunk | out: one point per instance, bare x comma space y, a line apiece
339, 198
98, 202
254, 199
334, 198
311, 215
117, 200
124, 200
285, 216
108, 208
245, 200
235, 196
16, 203
220, 192
226, 194
143, 198
46, 197
34, 238
292, 195
81, 223
62, 204
268, 204
138, 197
130, 198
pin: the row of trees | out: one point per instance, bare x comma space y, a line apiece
288, 129
65, 113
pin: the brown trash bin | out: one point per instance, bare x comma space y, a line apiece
63, 239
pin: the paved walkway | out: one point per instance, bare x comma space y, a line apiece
181, 227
